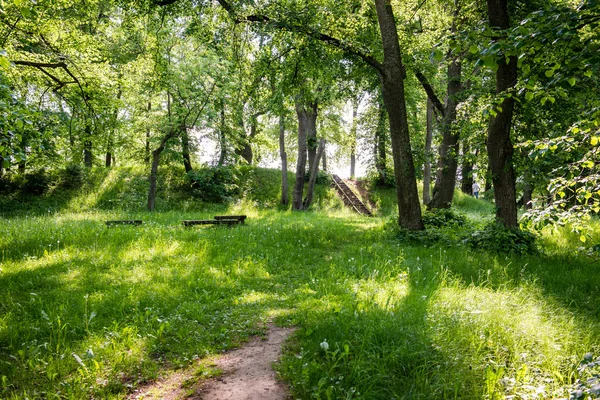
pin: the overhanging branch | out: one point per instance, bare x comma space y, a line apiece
431, 93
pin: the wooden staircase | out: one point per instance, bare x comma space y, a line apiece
349, 197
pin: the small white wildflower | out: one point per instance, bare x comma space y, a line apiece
324, 345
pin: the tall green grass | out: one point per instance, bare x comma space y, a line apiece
88, 311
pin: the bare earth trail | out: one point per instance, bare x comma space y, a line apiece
247, 375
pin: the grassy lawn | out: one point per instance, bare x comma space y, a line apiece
88, 311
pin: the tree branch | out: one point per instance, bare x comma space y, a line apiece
431, 93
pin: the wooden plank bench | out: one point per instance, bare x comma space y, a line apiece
134, 222
240, 218
210, 222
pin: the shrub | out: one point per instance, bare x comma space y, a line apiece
72, 177
36, 183
323, 178
377, 181
214, 184
443, 217
497, 238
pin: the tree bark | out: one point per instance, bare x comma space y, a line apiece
87, 146
467, 172
154, 169
392, 80
311, 134
427, 165
222, 136
380, 144
314, 170
527, 195
147, 153
284, 175
499, 146
443, 191
307, 117
324, 157
185, 149
353, 139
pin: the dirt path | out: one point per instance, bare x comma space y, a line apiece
247, 375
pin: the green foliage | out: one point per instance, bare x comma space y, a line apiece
443, 217
323, 178
497, 238
214, 184
36, 183
72, 176
385, 180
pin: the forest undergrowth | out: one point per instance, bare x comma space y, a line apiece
94, 312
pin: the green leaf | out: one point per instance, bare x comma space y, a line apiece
594, 141
474, 49
544, 100
588, 73
572, 81
26, 12
5, 164
529, 96
4, 63
549, 73
438, 55
583, 238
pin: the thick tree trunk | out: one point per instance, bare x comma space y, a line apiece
311, 135
527, 195
324, 157
108, 160
467, 172
154, 170
443, 191
284, 175
307, 117
499, 146
427, 165
392, 80
185, 149
314, 170
353, 139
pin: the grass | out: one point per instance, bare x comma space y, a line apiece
93, 312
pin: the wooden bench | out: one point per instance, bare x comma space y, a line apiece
240, 218
219, 220
210, 222
134, 222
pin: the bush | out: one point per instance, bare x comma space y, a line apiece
72, 177
497, 238
386, 181
214, 184
323, 178
36, 183
443, 217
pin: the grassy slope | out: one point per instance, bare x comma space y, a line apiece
90, 311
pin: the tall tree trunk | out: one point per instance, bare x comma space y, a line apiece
108, 161
443, 191
467, 171
353, 138
154, 169
311, 134
147, 153
222, 136
499, 146
185, 148
392, 81
307, 117
325, 158
527, 195
87, 146
284, 175
314, 170
427, 165
380, 144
